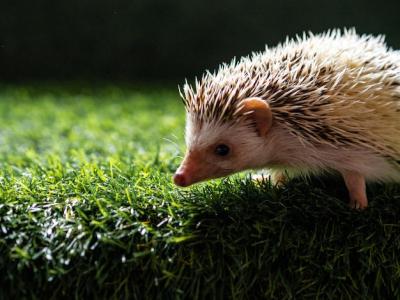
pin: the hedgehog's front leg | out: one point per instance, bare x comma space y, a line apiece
355, 183
278, 178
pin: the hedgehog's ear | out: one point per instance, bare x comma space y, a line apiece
260, 112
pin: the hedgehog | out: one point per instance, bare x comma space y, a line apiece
317, 103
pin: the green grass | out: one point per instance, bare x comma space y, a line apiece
88, 210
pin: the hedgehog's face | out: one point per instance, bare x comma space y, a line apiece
215, 150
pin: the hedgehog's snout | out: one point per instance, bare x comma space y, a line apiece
192, 170
180, 179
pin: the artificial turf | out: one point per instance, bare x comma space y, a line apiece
88, 211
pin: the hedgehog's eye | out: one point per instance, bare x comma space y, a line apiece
222, 150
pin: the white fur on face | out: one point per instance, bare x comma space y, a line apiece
247, 148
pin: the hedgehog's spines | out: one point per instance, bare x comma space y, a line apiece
311, 82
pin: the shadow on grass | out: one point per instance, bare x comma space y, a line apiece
300, 240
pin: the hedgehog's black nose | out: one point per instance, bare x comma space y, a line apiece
180, 180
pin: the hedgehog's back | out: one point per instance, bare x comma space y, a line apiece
334, 88
360, 80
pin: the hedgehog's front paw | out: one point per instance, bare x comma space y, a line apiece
259, 177
278, 178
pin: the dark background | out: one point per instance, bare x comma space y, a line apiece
163, 40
